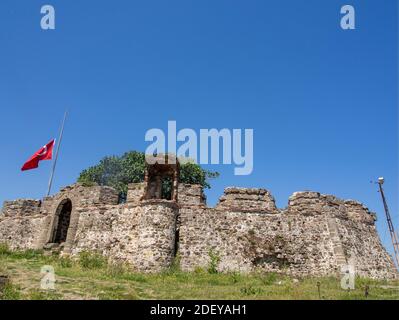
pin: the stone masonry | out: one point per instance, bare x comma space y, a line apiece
314, 235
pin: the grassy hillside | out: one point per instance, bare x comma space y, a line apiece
91, 277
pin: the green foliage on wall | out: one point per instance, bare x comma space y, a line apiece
119, 171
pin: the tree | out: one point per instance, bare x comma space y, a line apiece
118, 172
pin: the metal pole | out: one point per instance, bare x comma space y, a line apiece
391, 228
50, 183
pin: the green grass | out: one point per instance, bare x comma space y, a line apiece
10, 292
91, 261
91, 277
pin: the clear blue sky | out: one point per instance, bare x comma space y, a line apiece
322, 101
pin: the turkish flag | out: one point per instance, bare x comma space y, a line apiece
45, 153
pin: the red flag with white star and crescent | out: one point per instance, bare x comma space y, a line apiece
45, 153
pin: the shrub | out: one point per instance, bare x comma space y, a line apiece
117, 269
19, 254
214, 262
175, 266
65, 262
199, 270
119, 171
4, 249
27, 254
90, 260
269, 278
235, 277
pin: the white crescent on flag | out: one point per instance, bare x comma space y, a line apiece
44, 151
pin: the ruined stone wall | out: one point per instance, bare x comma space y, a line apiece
156, 240
250, 241
141, 233
20, 223
314, 235
191, 195
247, 200
96, 230
30, 223
21, 207
360, 238
135, 193
84, 199
143, 236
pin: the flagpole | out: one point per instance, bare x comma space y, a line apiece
50, 183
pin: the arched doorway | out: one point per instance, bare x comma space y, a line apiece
62, 221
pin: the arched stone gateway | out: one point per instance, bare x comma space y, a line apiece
62, 220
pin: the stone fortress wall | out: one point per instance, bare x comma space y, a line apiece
314, 235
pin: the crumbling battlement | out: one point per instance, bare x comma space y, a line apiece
309, 203
21, 207
81, 197
191, 195
314, 235
135, 193
247, 200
